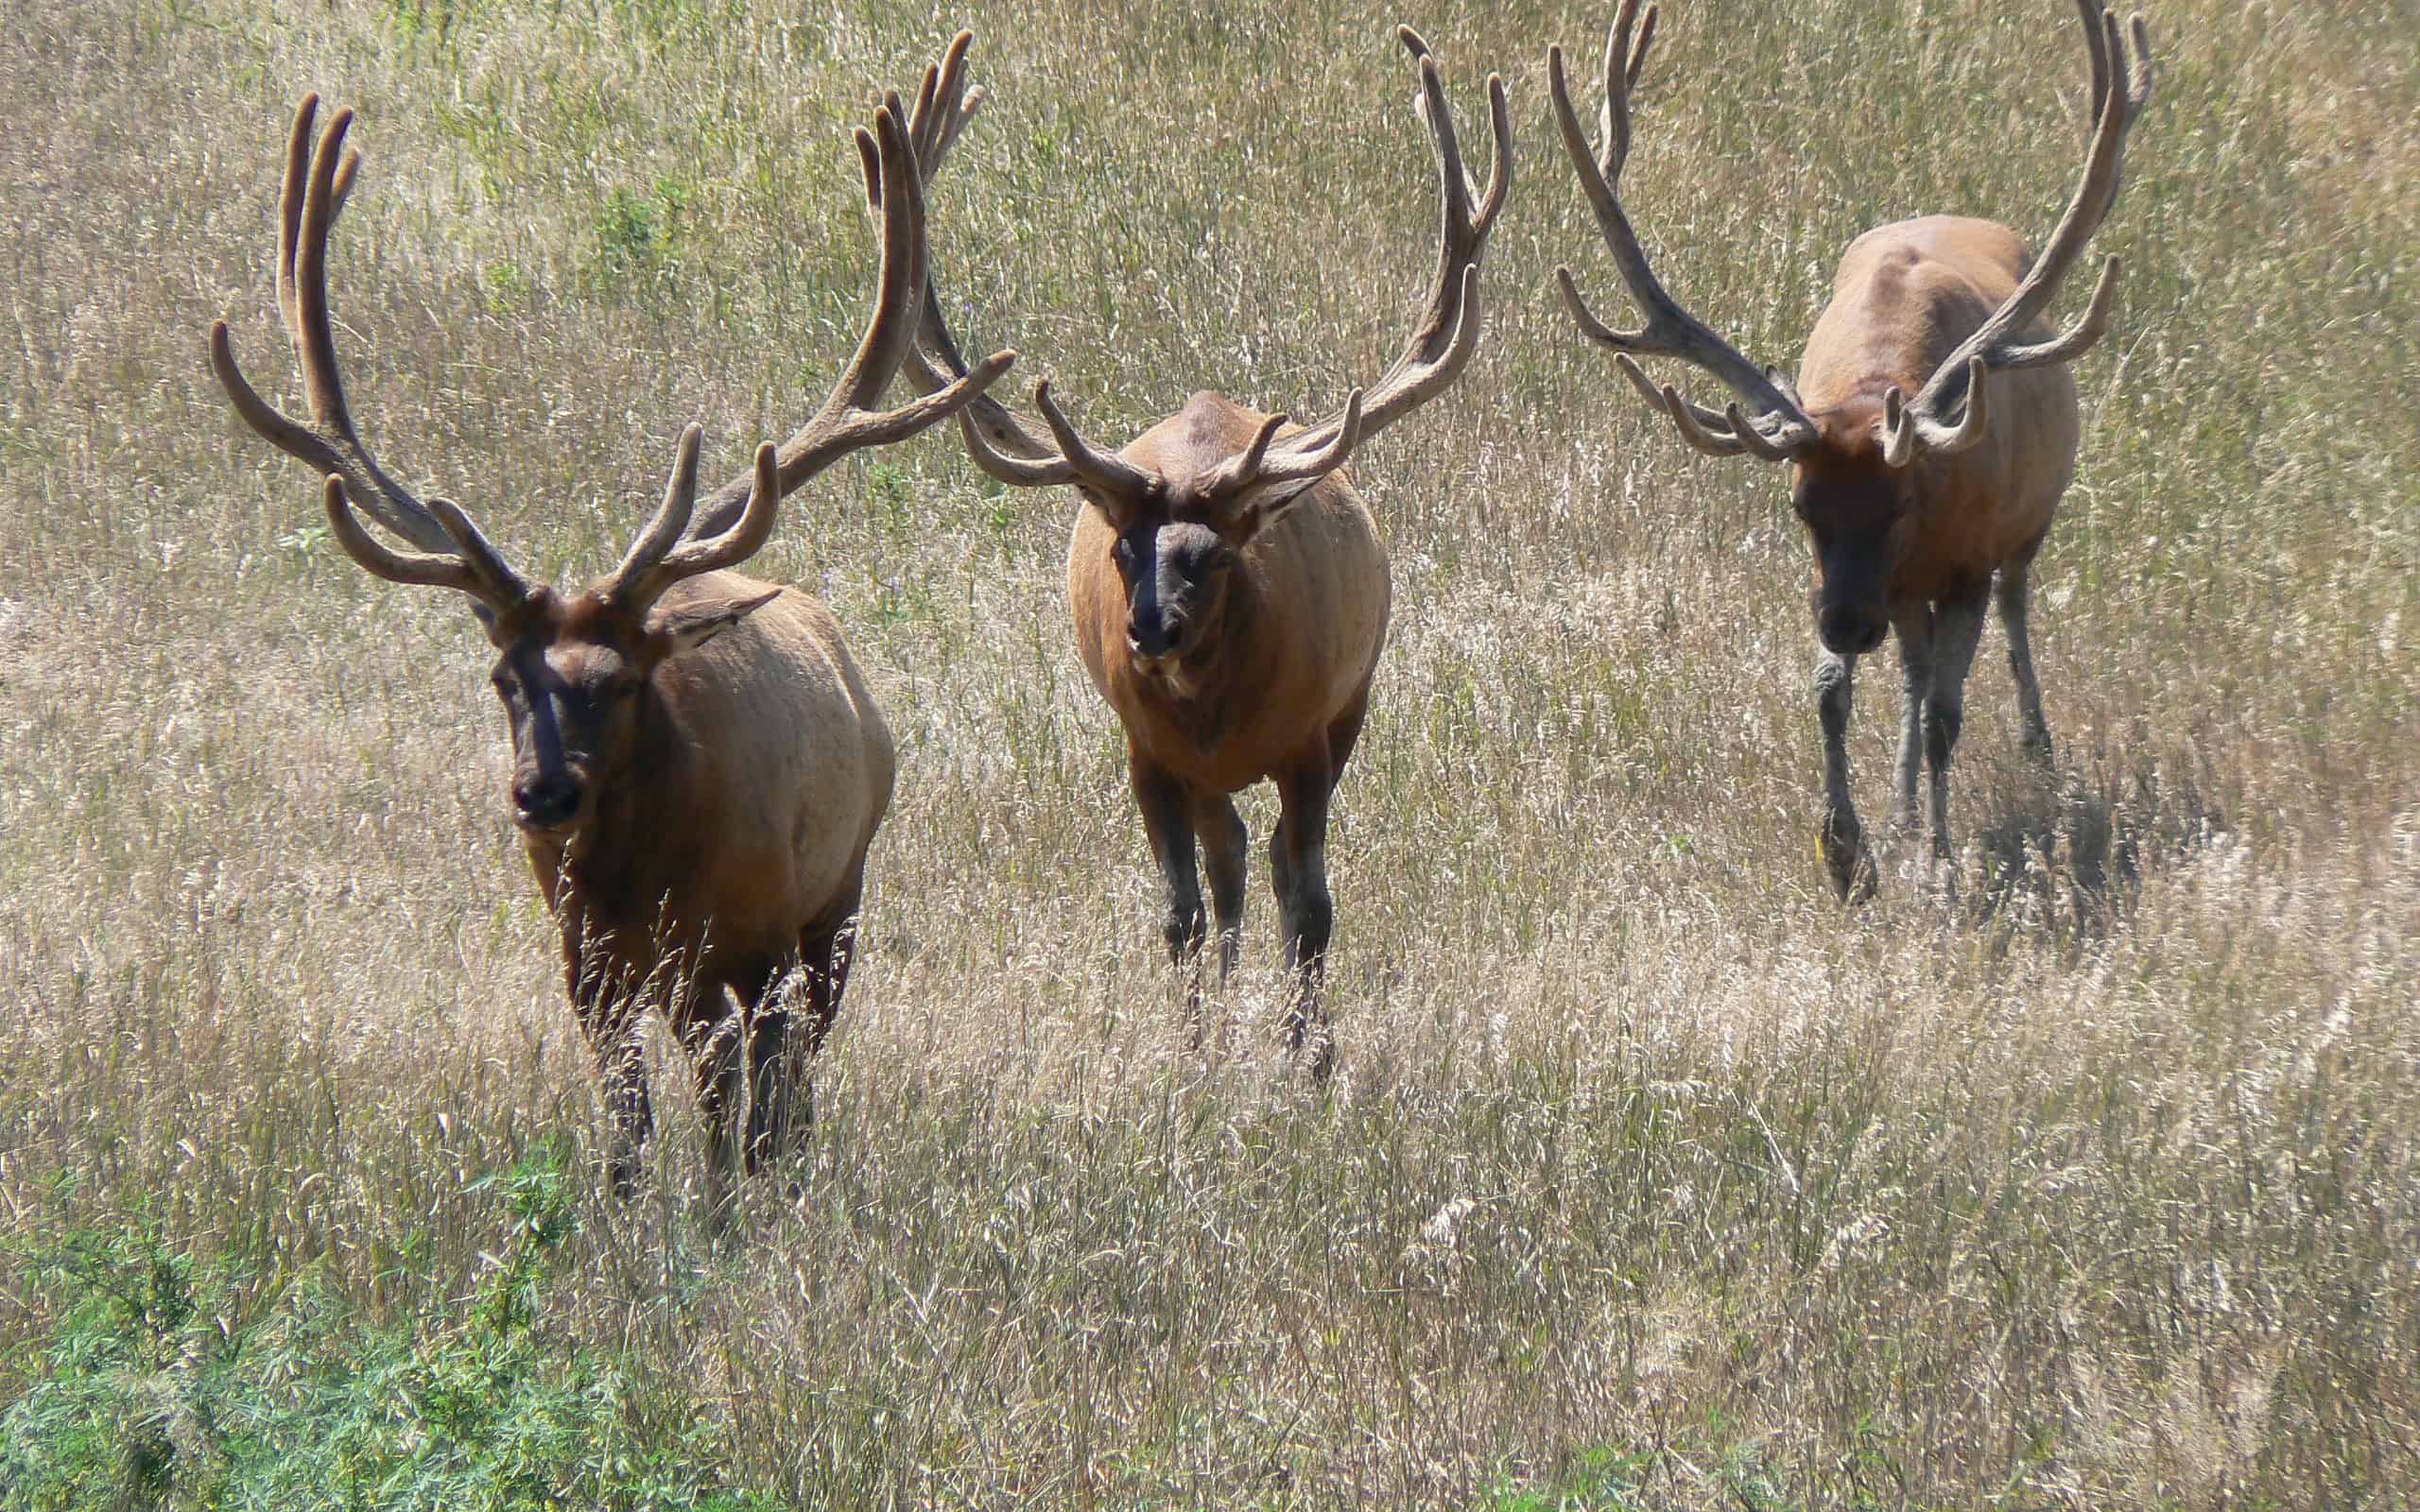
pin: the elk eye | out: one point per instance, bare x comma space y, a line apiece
624, 693
506, 687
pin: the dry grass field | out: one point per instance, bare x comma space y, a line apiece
1651, 1178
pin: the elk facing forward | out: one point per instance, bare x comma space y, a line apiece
1229, 592
1911, 504
698, 768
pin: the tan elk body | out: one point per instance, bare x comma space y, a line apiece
697, 766
1299, 622
1930, 433
1226, 582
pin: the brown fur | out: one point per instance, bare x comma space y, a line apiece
1932, 431
1915, 550
1270, 682
1905, 296
723, 840
1297, 642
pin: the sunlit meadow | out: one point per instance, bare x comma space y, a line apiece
2082, 1175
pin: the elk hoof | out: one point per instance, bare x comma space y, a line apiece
1323, 1058
1847, 860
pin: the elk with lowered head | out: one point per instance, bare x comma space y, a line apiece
1228, 591
698, 768
1930, 433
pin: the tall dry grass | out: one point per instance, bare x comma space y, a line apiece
1651, 1177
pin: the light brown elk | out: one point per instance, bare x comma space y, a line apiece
698, 768
1930, 433
1228, 591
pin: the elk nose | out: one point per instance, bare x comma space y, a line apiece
1148, 635
545, 803
1849, 630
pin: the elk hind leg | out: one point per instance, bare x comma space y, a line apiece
1224, 842
1914, 629
1298, 866
1958, 626
1842, 840
2011, 596
711, 1029
782, 1051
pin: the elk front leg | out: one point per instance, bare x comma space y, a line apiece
2012, 595
1957, 625
1224, 842
1842, 841
1298, 870
712, 1030
1167, 823
608, 1020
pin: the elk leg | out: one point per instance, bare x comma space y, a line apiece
2011, 596
1842, 841
1298, 865
712, 1041
1958, 626
781, 1103
1913, 630
1167, 823
608, 1020
1224, 842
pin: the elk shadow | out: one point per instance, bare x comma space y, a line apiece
2064, 852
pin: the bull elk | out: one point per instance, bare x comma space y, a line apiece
1912, 504
1228, 591
698, 768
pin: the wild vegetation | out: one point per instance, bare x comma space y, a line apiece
1648, 1176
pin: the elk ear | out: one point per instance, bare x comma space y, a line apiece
1118, 513
691, 628
1252, 514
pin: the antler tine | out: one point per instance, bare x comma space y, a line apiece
1669, 330
893, 330
2078, 338
845, 422
745, 538
1993, 347
320, 177
1448, 330
943, 105
1102, 471
289, 206
664, 532
1622, 64
473, 567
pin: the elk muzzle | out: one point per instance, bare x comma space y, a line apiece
1850, 616
548, 801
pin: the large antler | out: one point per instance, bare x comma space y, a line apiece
1442, 345
318, 177
1925, 425
847, 420
1007, 449
1002, 444
1775, 427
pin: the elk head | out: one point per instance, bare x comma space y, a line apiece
1179, 522
1858, 467
578, 673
